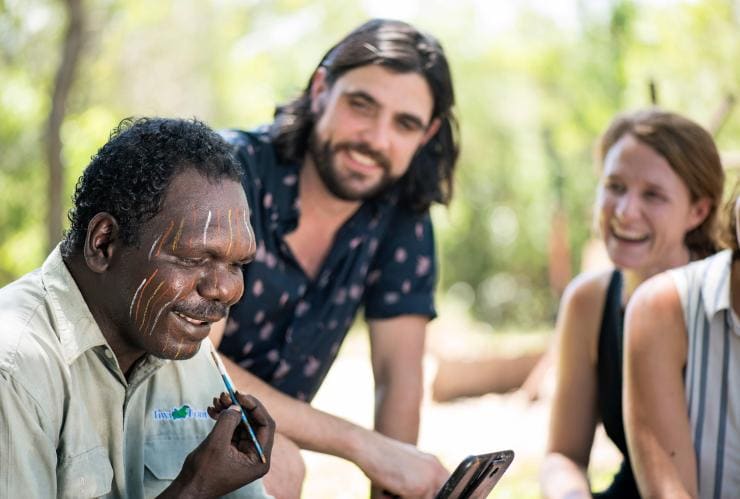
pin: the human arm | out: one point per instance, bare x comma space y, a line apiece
227, 459
574, 411
655, 414
315, 430
397, 347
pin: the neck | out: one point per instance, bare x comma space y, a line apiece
318, 202
90, 286
634, 277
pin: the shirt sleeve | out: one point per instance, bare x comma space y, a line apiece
402, 277
28, 458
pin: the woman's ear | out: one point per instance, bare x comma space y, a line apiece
699, 211
101, 242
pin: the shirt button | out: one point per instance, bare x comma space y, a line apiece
109, 354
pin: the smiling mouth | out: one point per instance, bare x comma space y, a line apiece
627, 235
362, 159
192, 320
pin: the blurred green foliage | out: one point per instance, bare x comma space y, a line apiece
534, 89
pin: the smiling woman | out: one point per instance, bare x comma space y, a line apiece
656, 205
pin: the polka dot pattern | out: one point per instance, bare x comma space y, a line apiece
288, 328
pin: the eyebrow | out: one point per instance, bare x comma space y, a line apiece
361, 94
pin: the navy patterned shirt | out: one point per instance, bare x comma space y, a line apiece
288, 327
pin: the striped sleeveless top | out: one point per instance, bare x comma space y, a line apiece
712, 373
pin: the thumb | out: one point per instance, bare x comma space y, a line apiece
227, 422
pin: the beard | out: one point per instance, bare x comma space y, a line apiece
323, 156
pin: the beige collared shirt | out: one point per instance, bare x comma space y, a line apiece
70, 423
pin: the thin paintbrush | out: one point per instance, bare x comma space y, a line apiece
230, 389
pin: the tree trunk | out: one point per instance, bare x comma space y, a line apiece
73, 41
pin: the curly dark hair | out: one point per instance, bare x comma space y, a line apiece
399, 47
129, 175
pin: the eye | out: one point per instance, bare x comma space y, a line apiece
614, 187
654, 195
408, 125
360, 105
234, 266
190, 262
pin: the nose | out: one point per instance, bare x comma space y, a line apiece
627, 206
378, 134
222, 284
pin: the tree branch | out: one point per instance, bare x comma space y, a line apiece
73, 42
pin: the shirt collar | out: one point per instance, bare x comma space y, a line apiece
78, 331
716, 286
75, 324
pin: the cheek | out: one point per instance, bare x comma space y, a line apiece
402, 154
603, 210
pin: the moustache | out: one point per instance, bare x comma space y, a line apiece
208, 311
364, 149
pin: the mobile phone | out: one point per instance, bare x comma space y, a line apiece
476, 476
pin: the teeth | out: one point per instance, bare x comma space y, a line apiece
191, 320
361, 158
626, 234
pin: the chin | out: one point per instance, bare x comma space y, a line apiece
181, 351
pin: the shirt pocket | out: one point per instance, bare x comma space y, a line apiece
163, 460
89, 474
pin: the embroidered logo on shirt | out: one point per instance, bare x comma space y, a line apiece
184, 412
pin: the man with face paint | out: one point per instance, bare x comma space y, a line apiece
340, 185
106, 375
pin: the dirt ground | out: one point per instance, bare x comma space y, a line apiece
453, 430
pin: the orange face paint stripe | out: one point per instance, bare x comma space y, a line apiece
156, 318
178, 234
164, 237
138, 302
146, 309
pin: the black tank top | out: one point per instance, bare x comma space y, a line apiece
609, 387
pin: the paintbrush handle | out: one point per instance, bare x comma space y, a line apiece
232, 394
230, 388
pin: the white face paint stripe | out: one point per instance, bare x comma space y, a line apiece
154, 246
151, 330
131, 308
149, 301
205, 229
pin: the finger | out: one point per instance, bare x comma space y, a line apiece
227, 422
264, 425
218, 406
256, 410
247, 401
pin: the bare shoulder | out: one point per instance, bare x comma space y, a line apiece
581, 310
653, 318
586, 293
656, 298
